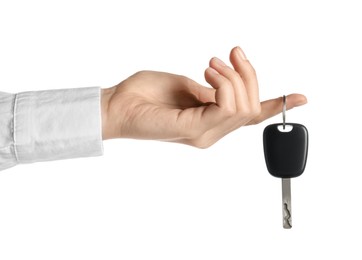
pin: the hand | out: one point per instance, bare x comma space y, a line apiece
168, 107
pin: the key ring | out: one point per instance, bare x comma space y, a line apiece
284, 110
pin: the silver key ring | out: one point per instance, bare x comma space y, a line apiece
284, 110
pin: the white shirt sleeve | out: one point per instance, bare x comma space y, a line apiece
49, 125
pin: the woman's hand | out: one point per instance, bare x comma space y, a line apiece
168, 107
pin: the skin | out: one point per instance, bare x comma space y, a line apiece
162, 106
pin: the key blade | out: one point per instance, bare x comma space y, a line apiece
287, 204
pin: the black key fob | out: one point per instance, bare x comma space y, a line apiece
285, 150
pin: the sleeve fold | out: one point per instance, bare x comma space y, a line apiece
54, 125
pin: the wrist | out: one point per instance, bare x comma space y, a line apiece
108, 124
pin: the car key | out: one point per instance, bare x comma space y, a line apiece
285, 152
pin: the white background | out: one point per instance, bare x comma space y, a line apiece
153, 200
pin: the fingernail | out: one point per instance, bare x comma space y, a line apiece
219, 62
240, 53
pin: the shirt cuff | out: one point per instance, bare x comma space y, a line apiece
57, 124
7, 152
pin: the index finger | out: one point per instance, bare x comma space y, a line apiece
273, 107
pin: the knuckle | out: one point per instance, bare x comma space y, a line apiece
201, 143
250, 112
229, 111
245, 112
141, 73
253, 115
234, 76
225, 83
256, 111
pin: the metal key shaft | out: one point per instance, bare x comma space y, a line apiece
287, 203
